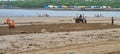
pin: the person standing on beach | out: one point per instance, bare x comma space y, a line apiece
80, 16
112, 20
85, 21
7, 21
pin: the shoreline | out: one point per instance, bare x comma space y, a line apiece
55, 20
69, 9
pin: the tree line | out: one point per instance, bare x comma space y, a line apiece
41, 3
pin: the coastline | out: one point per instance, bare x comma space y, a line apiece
69, 9
51, 20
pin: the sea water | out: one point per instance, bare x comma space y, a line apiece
28, 12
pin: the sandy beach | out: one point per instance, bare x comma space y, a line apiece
60, 35
50, 20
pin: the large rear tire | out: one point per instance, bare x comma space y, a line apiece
77, 20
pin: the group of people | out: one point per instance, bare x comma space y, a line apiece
10, 23
98, 15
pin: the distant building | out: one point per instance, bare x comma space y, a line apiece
88, 0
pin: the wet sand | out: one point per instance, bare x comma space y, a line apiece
61, 27
48, 35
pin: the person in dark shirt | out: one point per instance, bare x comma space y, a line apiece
112, 20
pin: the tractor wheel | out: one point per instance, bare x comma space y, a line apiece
77, 21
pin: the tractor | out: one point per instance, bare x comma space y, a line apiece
80, 19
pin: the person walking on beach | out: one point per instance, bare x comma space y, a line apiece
12, 24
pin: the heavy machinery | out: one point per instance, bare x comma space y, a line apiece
80, 19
